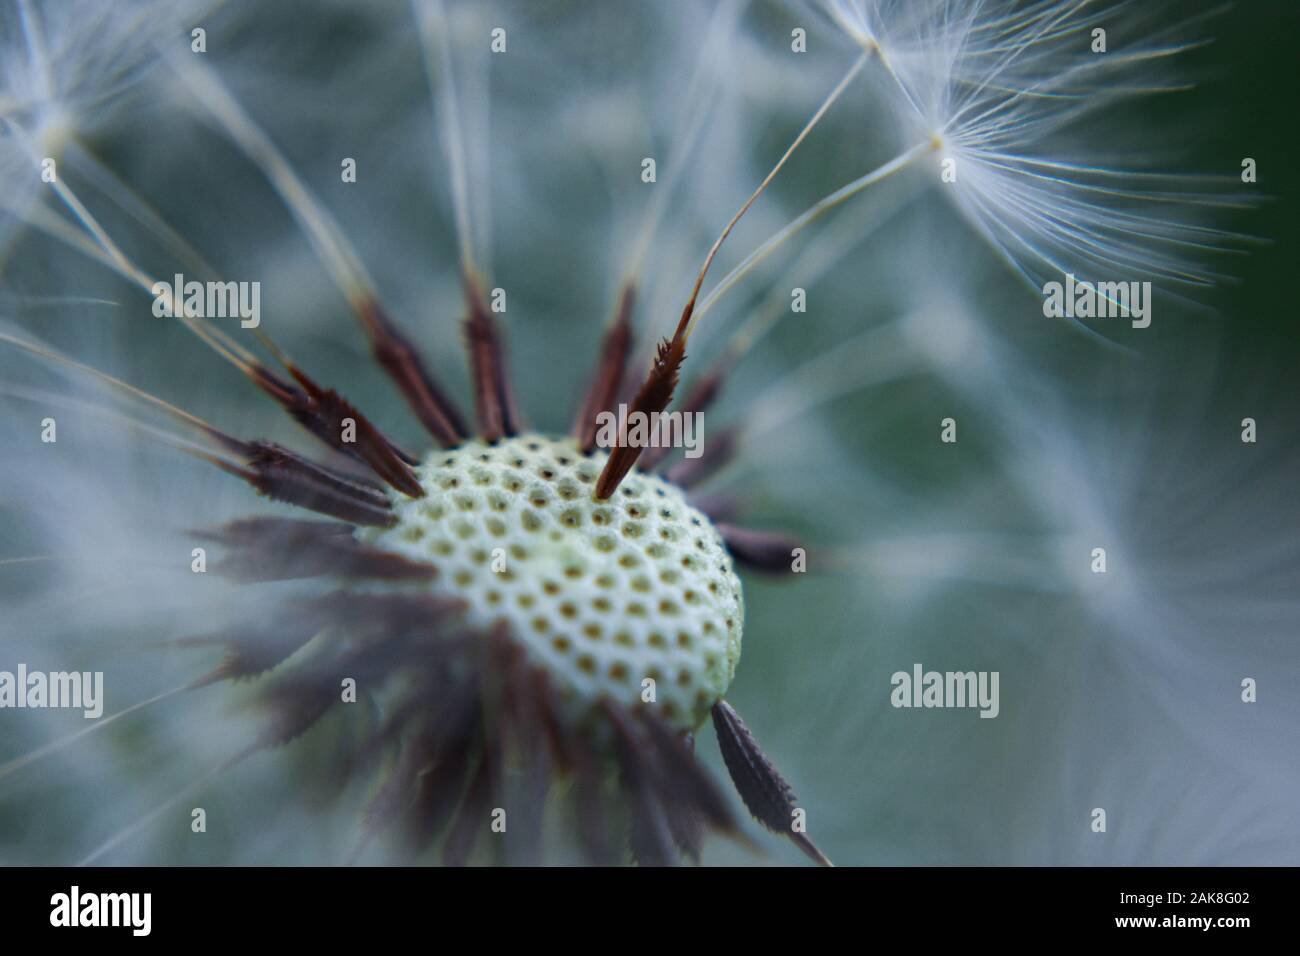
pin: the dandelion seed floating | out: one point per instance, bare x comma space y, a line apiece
999, 93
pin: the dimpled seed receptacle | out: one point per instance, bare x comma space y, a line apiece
603, 594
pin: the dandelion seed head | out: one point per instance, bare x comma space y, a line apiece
603, 593
985, 562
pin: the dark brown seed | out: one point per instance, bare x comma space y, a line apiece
284, 476
443, 764
718, 506
322, 411
398, 357
343, 483
690, 472
762, 788
255, 648
700, 396
472, 817
608, 378
283, 549
761, 550
653, 398
331, 412
651, 839
492, 394
388, 614
592, 812
679, 764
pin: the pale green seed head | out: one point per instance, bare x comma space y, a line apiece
603, 594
